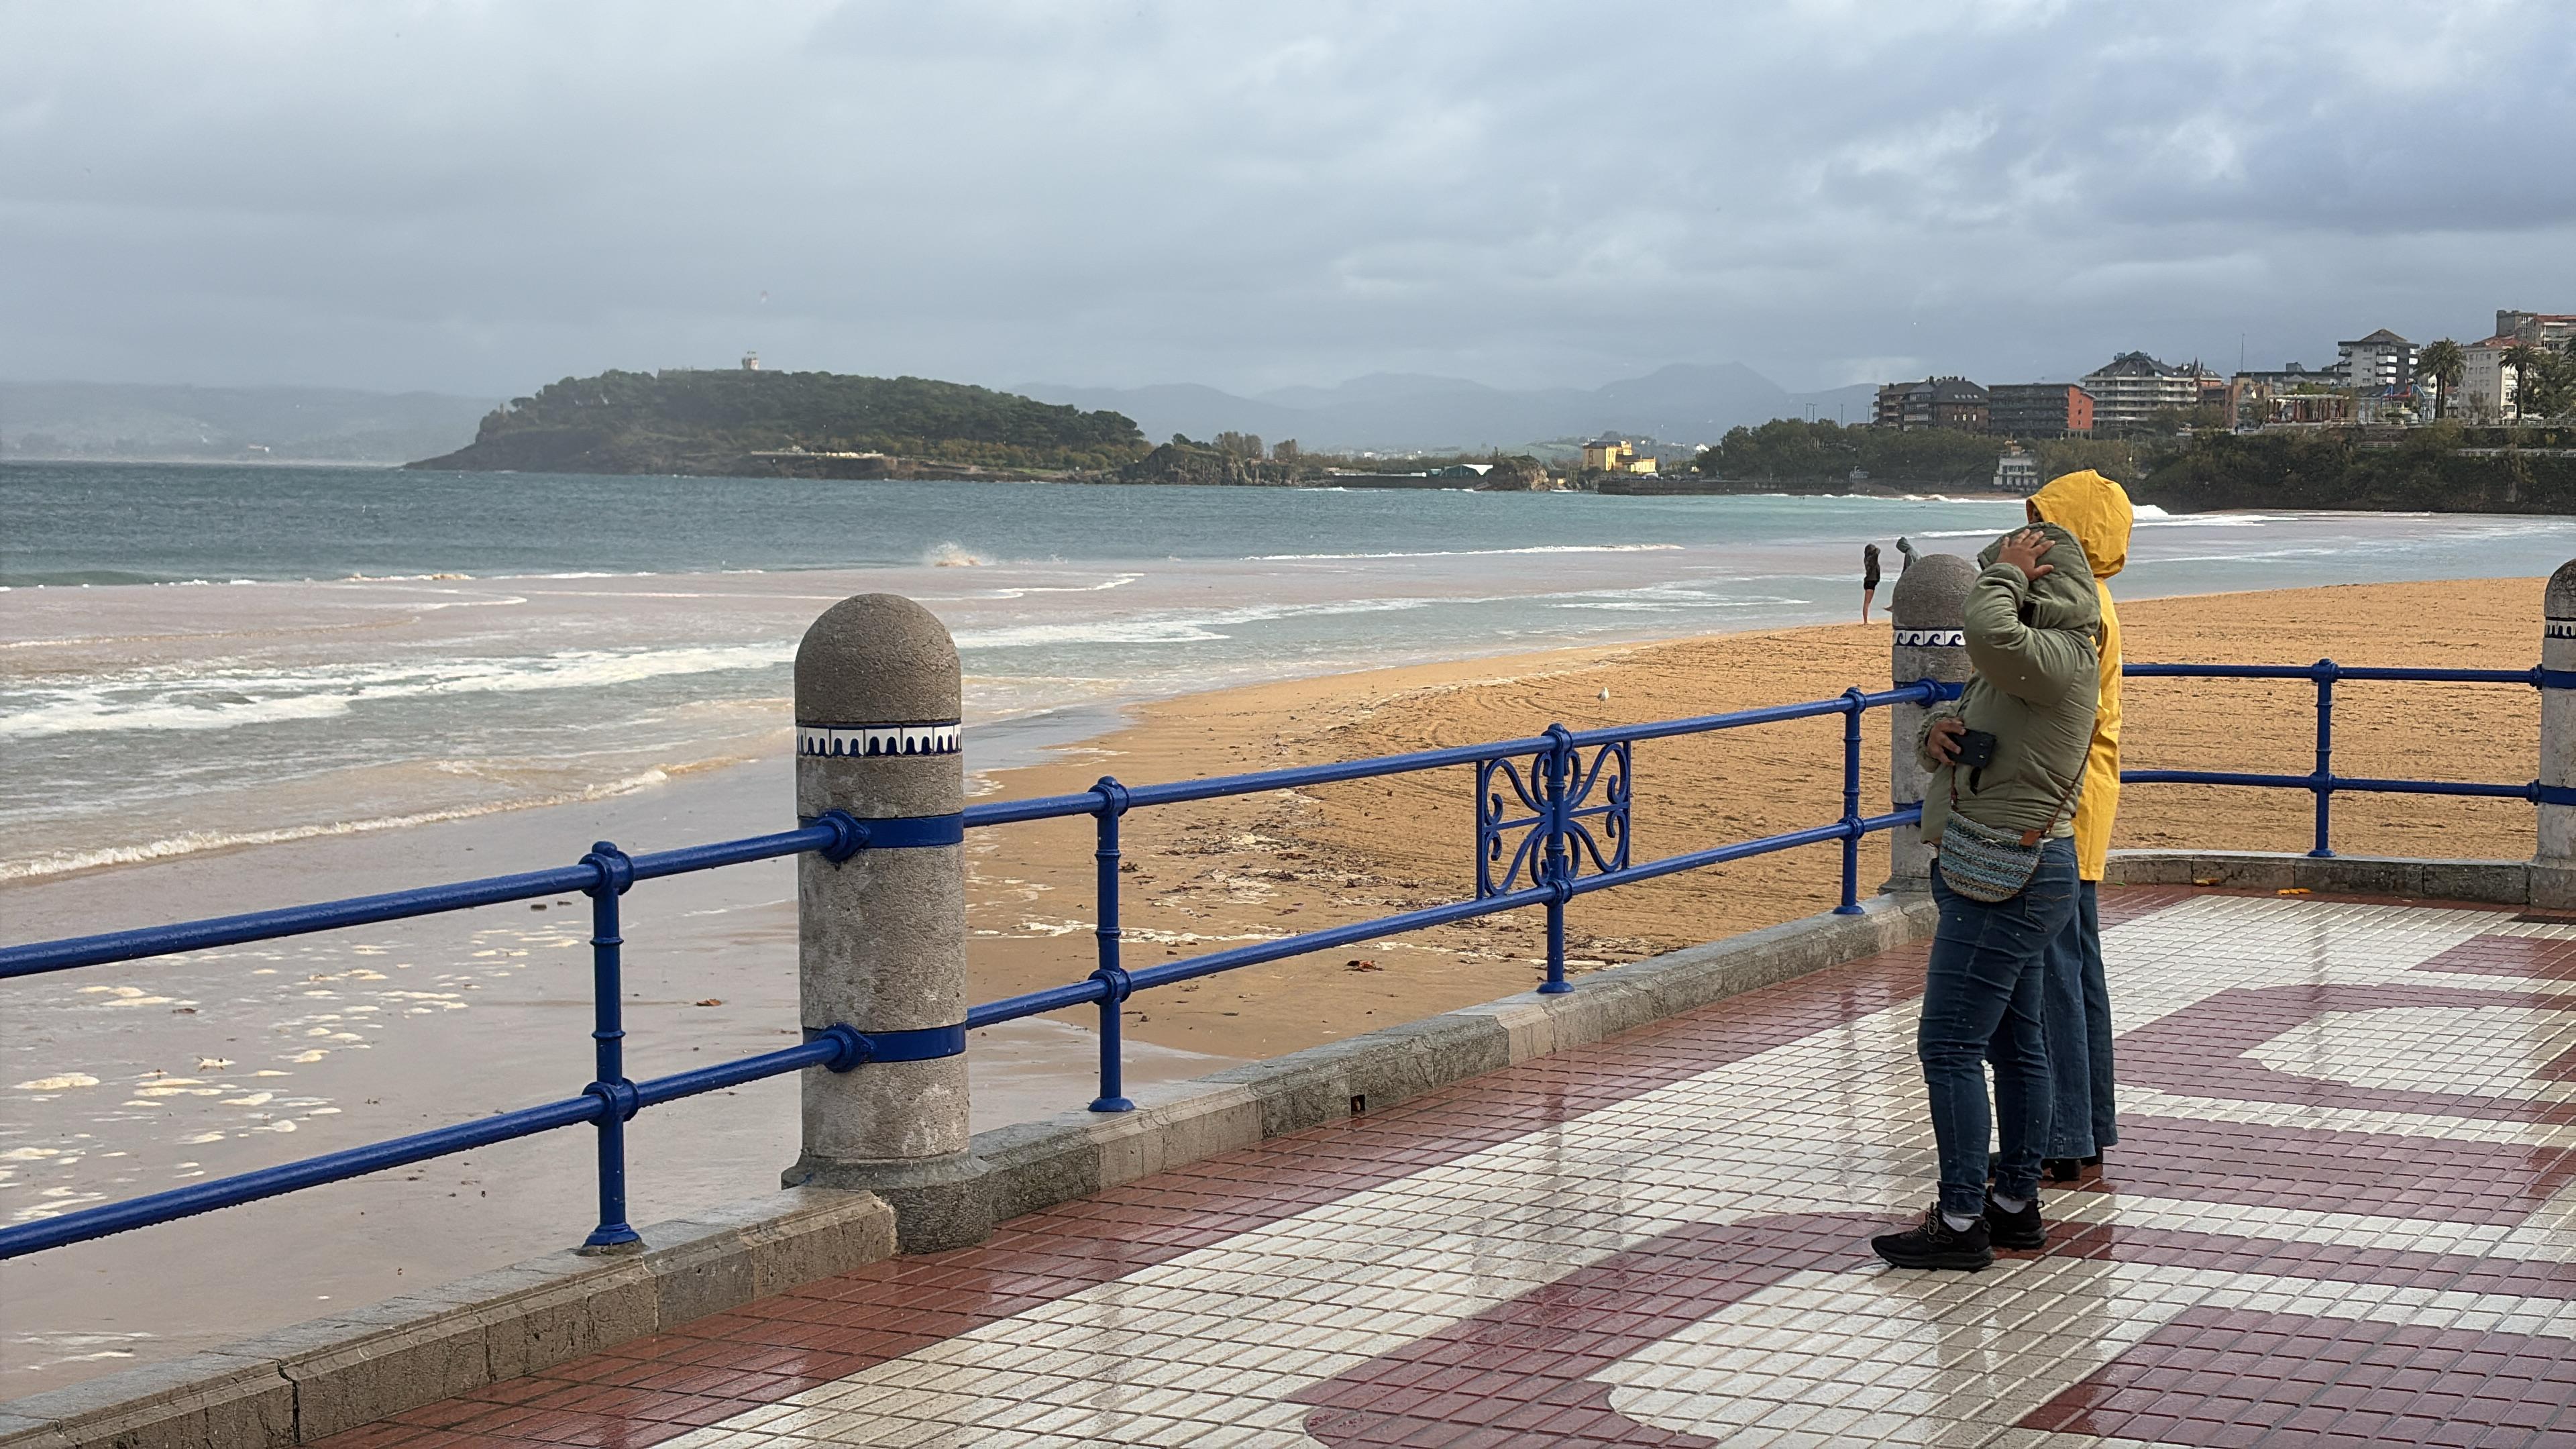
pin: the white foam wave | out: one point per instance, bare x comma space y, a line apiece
173, 699
953, 555
197, 841
2213, 520
2148, 516
1128, 631
1114, 581
1170, 629
1474, 552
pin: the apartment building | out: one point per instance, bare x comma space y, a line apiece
2039, 410
2133, 387
2536, 329
1935, 402
2376, 363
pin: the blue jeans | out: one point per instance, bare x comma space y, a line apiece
1982, 1003
2077, 1013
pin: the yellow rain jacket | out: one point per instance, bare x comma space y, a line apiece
2096, 510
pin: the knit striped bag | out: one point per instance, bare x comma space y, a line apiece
1987, 864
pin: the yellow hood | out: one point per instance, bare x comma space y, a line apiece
2094, 509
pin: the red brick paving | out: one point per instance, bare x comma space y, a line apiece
1525, 1371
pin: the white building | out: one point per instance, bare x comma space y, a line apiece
2017, 472
2486, 384
2376, 363
2133, 387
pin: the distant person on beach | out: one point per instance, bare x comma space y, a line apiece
1904, 550
2082, 1121
2006, 764
1868, 579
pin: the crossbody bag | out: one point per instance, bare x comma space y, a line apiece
1987, 864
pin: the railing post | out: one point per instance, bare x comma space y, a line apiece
882, 932
1113, 1090
608, 1050
1558, 862
2553, 861
1851, 802
2324, 777
1928, 613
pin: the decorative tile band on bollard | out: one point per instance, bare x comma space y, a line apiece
881, 900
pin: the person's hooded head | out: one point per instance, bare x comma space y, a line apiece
2095, 510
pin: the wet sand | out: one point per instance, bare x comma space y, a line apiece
441, 1020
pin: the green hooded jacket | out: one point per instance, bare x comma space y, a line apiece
2034, 646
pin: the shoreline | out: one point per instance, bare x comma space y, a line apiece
1027, 737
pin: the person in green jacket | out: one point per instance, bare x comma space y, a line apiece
2032, 624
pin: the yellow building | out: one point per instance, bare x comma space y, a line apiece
1615, 455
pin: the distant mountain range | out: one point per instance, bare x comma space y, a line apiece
274, 424
1678, 406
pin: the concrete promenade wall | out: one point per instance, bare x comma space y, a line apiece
2491, 882
302, 1383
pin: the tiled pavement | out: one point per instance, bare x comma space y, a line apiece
2339, 1215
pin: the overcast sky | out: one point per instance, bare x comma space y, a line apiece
479, 198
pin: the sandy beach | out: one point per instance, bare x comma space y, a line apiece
1281, 863
362, 1035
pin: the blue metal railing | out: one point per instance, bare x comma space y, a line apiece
1540, 801
2322, 781
1570, 783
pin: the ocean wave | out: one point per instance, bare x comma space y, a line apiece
1194, 628
2259, 556
2148, 516
1107, 631
199, 841
953, 555
1473, 552
191, 699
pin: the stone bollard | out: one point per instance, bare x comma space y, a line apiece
1927, 612
882, 933
2553, 864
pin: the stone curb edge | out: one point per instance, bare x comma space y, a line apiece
313, 1379
2489, 882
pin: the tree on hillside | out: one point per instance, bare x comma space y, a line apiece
2445, 364
1241, 445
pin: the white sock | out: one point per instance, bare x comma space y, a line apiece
1957, 1223
2008, 1204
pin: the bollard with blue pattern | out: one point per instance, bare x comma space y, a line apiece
881, 923
1928, 613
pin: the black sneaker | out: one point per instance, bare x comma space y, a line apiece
1932, 1244
2063, 1169
2021, 1231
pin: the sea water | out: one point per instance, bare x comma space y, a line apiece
198, 657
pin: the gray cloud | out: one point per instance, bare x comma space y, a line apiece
483, 197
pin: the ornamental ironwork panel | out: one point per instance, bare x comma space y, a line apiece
1554, 791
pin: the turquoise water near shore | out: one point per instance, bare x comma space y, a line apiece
198, 657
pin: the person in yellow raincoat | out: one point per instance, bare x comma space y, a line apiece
2075, 995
